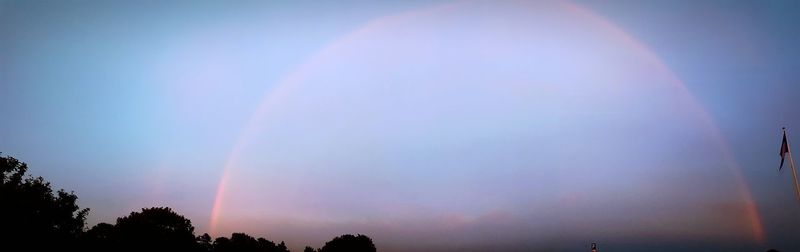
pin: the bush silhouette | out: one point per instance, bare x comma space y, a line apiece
32, 215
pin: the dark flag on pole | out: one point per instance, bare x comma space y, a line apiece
784, 150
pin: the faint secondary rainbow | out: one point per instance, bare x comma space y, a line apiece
275, 96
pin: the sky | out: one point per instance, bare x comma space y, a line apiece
427, 125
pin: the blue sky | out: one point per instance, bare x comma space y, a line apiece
433, 126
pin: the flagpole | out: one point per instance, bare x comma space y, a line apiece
794, 169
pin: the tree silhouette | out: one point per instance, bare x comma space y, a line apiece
204, 243
33, 218
31, 213
222, 244
241, 242
101, 237
155, 229
349, 243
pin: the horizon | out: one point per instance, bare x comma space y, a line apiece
427, 125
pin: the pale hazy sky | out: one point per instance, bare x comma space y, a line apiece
429, 126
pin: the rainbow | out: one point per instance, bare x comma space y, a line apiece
274, 97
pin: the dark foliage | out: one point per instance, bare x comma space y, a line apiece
36, 219
241, 242
32, 214
157, 228
204, 243
349, 243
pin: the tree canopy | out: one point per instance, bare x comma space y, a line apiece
35, 218
155, 228
32, 213
349, 243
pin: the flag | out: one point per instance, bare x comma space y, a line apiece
784, 150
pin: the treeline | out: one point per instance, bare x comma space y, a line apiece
34, 218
